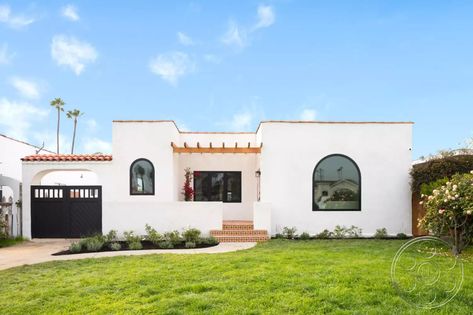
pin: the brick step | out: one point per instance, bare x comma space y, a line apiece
242, 239
237, 225
238, 232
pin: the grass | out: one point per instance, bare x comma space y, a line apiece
11, 241
302, 277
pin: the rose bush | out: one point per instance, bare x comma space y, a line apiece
449, 211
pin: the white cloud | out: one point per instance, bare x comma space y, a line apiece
212, 58
241, 121
266, 16
184, 39
171, 66
70, 52
91, 124
70, 13
28, 89
13, 21
235, 35
94, 145
18, 117
308, 114
5, 57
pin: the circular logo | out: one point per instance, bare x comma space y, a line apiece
425, 273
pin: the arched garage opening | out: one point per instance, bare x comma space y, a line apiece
65, 203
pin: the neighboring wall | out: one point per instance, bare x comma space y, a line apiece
382, 152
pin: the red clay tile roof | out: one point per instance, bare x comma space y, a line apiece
67, 157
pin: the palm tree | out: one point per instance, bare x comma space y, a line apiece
58, 103
74, 114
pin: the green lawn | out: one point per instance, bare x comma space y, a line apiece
306, 277
10, 241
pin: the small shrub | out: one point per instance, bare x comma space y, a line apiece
115, 246
152, 235
208, 240
381, 233
325, 234
340, 232
135, 245
94, 243
191, 235
75, 248
130, 237
289, 233
172, 237
190, 244
304, 236
111, 236
166, 244
402, 236
354, 231
279, 236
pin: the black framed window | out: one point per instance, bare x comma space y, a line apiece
336, 184
217, 186
142, 177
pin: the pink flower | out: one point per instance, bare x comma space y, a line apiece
441, 211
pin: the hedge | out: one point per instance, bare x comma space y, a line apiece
439, 168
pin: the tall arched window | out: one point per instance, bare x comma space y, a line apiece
336, 184
142, 177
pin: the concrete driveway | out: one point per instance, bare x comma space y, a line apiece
41, 250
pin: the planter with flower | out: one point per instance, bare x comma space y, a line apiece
449, 211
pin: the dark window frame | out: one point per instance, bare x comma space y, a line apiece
131, 178
224, 185
359, 185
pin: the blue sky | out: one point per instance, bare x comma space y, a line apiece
226, 65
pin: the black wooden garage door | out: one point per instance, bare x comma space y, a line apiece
66, 211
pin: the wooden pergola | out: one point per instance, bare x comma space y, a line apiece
216, 149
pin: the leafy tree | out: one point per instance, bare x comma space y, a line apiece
74, 114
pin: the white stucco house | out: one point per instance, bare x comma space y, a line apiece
248, 185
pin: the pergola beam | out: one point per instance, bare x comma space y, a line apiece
212, 149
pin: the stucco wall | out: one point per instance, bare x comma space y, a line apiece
382, 152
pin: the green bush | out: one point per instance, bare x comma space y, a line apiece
304, 236
130, 237
75, 247
289, 233
190, 245
340, 232
208, 240
3, 226
173, 237
279, 236
136, 245
354, 231
439, 168
191, 235
152, 235
166, 244
381, 233
325, 234
94, 243
402, 236
111, 236
115, 246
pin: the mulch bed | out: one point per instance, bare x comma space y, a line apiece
147, 245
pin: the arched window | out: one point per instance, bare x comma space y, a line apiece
336, 184
142, 177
